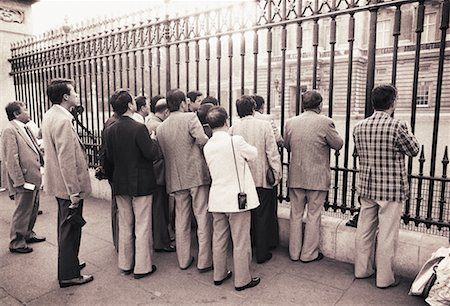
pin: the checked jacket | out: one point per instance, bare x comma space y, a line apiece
382, 143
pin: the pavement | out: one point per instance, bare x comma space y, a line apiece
30, 279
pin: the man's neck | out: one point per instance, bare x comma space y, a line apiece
65, 105
221, 129
159, 116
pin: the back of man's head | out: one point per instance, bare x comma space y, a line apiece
174, 98
57, 88
153, 102
13, 108
311, 99
383, 96
140, 102
217, 117
259, 102
245, 106
120, 100
210, 99
161, 106
202, 111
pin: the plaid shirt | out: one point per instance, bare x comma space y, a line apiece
382, 143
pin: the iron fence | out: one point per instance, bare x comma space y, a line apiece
277, 49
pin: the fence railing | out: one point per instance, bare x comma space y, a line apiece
277, 49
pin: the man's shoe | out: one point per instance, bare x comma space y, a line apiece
189, 264
138, 276
253, 283
82, 265
39, 212
269, 257
319, 257
168, 249
207, 269
83, 279
36, 239
23, 250
218, 283
394, 284
126, 272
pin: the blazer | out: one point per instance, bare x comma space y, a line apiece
382, 143
129, 156
20, 158
278, 138
309, 137
259, 134
65, 160
181, 138
225, 187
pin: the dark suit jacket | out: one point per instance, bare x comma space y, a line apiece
129, 156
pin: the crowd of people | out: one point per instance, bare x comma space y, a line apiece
174, 164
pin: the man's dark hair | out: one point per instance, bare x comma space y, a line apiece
120, 100
259, 102
210, 99
153, 102
311, 99
192, 95
174, 99
217, 117
161, 106
13, 108
383, 96
203, 111
245, 106
57, 88
140, 102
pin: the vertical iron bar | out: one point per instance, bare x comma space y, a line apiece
437, 105
187, 55
299, 46
167, 41
197, 64
255, 61
207, 59
150, 65
396, 33
230, 77
442, 201
219, 70
242, 63
269, 66
370, 81
332, 50
419, 186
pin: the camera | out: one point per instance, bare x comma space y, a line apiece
242, 200
77, 110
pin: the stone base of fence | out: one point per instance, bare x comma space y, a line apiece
337, 240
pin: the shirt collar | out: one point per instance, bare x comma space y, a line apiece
19, 123
220, 134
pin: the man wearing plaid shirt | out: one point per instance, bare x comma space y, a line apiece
382, 143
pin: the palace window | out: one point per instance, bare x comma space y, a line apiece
384, 35
423, 94
429, 28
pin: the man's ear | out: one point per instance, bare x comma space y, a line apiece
16, 114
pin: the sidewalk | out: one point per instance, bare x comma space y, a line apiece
30, 279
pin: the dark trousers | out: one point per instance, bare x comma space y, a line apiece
265, 223
160, 218
24, 217
69, 237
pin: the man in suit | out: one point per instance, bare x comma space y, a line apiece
142, 109
67, 178
129, 156
195, 100
181, 138
23, 159
160, 207
259, 113
382, 143
259, 134
309, 137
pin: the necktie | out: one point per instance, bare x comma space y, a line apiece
33, 141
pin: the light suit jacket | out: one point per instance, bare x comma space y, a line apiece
181, 139
309, 138
20, 158
259, 134
225, 186
65, 161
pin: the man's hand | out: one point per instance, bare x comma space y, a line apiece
74, 200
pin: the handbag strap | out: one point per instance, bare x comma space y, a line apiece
235, 164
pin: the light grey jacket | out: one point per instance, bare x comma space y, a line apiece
181, 139
65, 161
259, 134
20, 158
309, 138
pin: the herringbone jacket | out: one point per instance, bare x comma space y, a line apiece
382, 143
